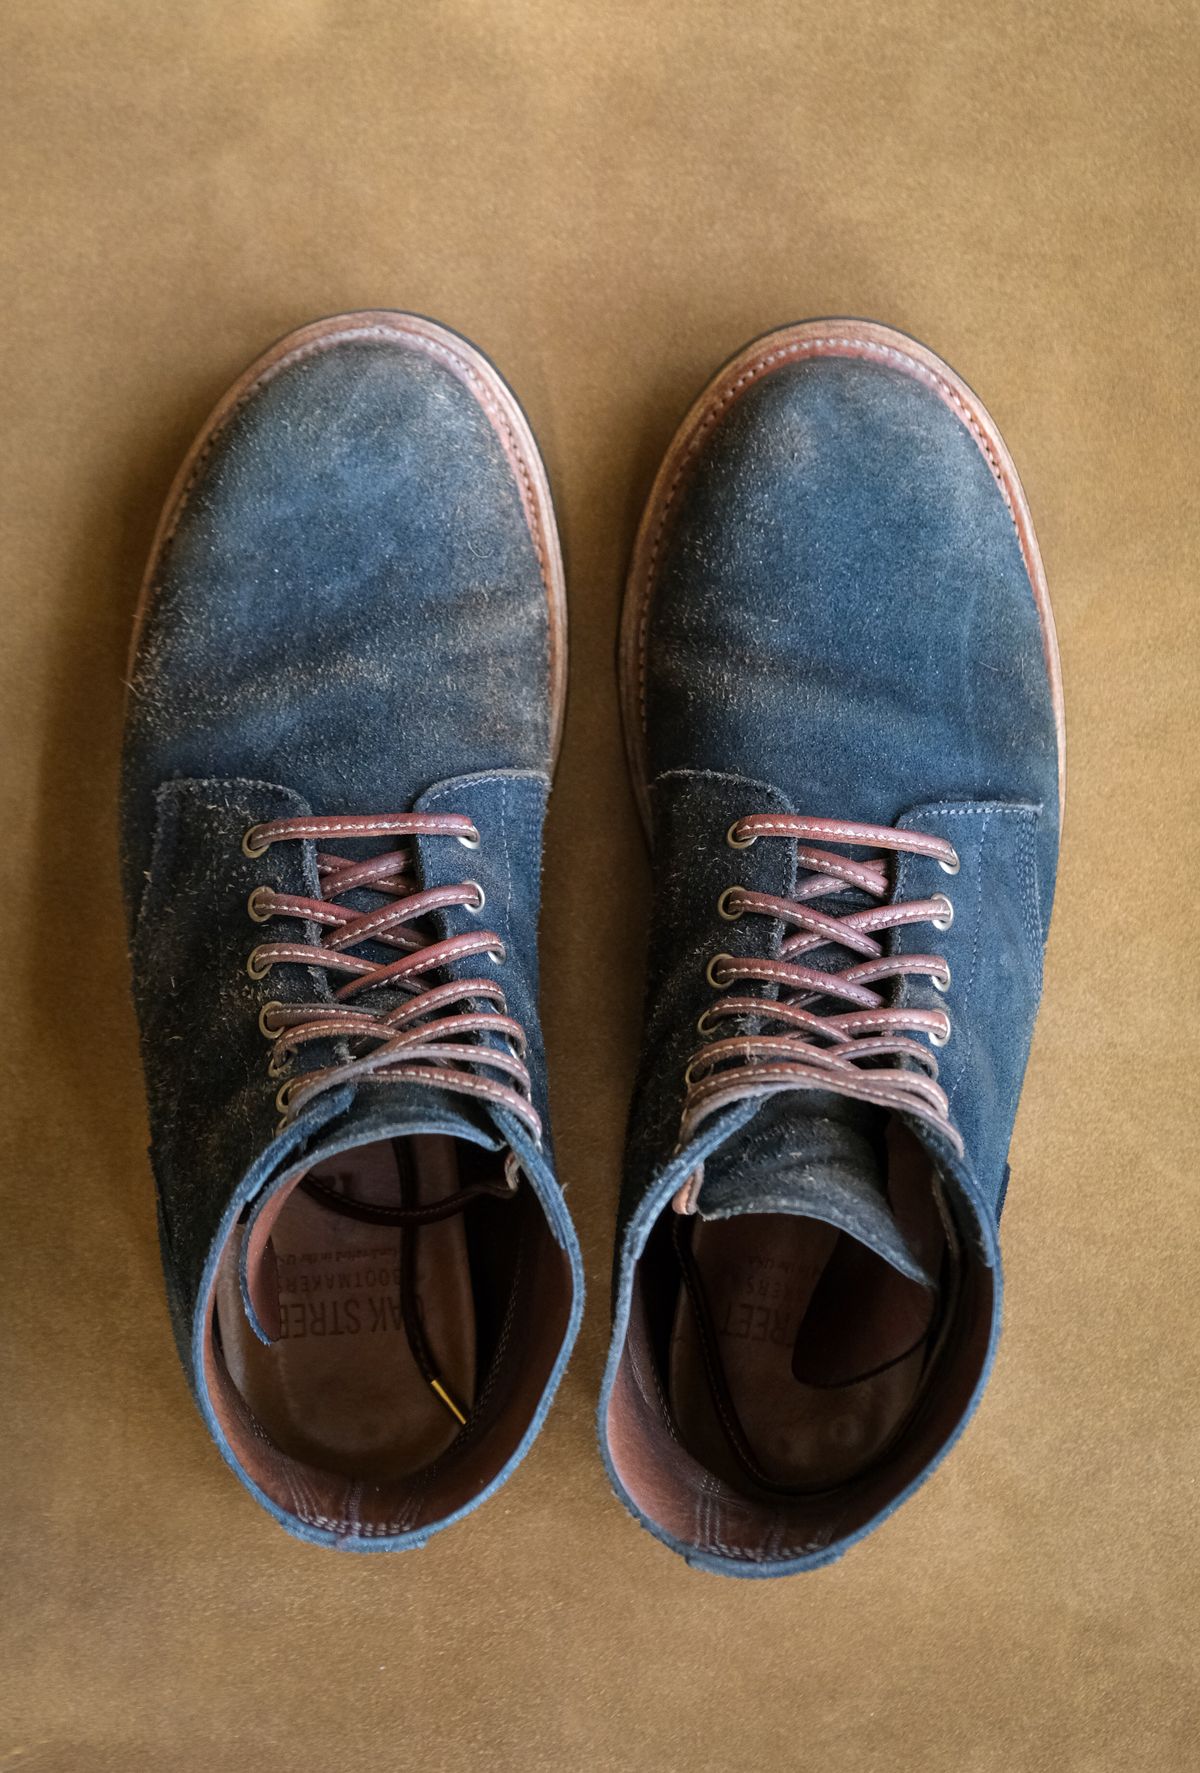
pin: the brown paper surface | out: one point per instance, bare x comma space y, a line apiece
609, 199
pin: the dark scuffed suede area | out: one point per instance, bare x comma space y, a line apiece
349, 616
816, 1159
841, 625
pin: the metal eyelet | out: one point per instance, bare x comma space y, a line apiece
704, 1027
729, 916
470, 843
951, 867
939, 1040
710, 971
269, 1033
249, 847
285, 1092
947, 918
689, 1075
735, 842
480, 898
277, 1066
499, 955
255, 969
258, 916
941, 981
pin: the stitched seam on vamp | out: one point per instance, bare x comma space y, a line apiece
1031, 910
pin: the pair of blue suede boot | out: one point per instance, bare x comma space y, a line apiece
844, 723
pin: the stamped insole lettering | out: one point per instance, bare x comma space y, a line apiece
762, 1299
340, 1292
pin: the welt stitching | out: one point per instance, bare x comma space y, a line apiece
801, 348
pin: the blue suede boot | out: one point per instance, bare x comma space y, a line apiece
844, 720
346, 692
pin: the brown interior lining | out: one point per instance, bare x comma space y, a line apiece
677, 1466
341, 1385
340, 1428
795, 1352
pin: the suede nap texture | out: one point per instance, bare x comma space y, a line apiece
349, 598
610, 198
841, 624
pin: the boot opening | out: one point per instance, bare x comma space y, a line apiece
797, 1351
781, 1382
395, 1283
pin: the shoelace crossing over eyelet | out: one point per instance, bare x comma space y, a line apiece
827, 1030
437, 1037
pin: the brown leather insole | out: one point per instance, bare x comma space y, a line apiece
796, 1352
342, 1388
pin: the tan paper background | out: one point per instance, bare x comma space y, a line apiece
609, 198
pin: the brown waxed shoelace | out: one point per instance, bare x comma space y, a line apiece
412, 1043
725, 1405
409, 1218
825, 1050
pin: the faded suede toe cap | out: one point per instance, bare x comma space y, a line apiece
842, 529
351, 563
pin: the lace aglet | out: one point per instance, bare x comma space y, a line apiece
440, 1390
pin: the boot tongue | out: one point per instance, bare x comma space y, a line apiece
820, 1156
